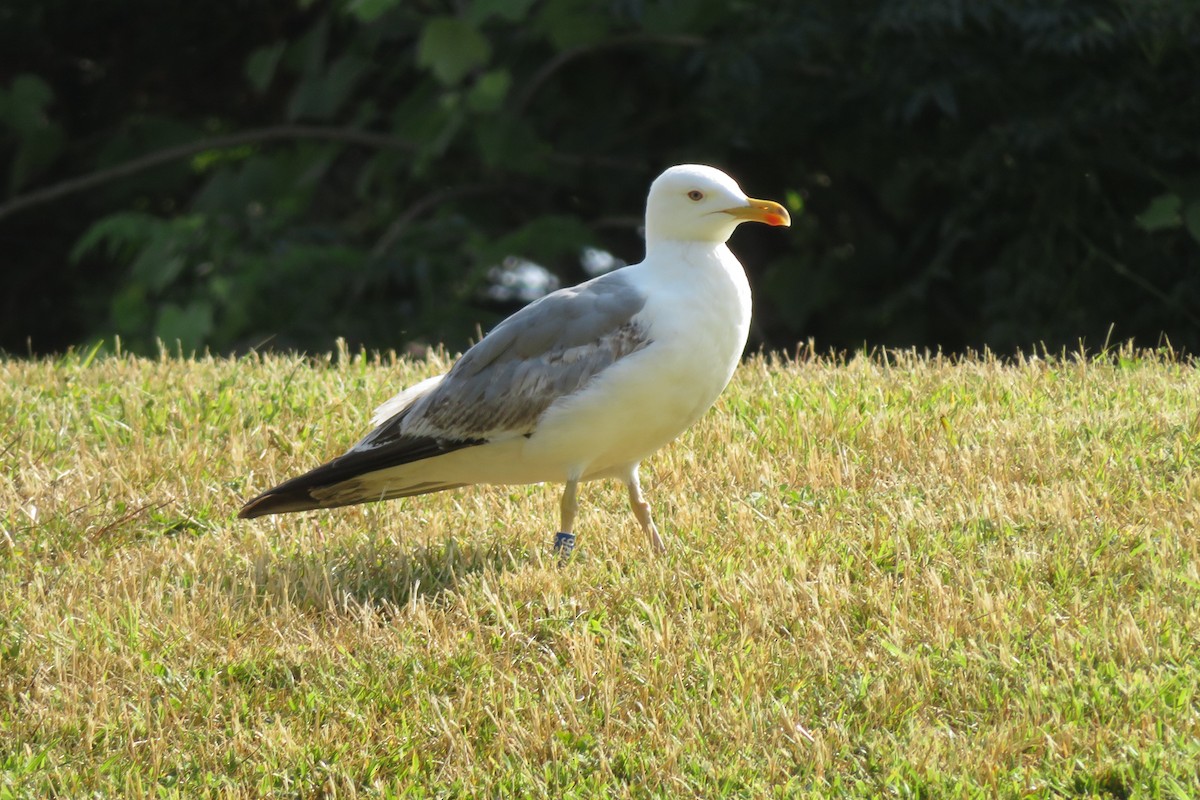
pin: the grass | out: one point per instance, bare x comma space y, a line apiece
890, 576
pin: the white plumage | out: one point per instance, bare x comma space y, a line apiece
582, 384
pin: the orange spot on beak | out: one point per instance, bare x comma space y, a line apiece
766, 211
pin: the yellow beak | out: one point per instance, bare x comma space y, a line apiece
767, 211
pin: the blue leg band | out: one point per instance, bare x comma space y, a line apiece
564, 543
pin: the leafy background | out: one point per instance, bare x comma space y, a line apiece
274, 173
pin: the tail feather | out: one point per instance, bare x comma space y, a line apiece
284, 499
360, 476
274, 502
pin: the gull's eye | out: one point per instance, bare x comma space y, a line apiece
696, 194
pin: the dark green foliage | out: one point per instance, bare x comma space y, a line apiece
1000, 172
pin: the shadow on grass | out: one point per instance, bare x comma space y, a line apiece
379, 575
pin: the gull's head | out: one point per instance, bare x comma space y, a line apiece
692, 202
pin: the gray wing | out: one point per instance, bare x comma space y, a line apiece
547, 350
499, 388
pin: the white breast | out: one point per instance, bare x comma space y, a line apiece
698, 316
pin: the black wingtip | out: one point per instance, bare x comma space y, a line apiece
252, 509
297, 494
276, 502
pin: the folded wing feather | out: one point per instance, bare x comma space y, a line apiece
498, 390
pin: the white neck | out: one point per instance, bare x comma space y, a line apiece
678, 253
716, 235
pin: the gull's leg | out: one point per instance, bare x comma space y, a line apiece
564, 540
641, 510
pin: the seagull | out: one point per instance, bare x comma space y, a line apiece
579, 385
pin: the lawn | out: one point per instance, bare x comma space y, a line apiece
887, 575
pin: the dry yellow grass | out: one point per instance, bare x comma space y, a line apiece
898, 575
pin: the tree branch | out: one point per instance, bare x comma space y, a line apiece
399, 225
560, 60
1124, 271
169, 154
